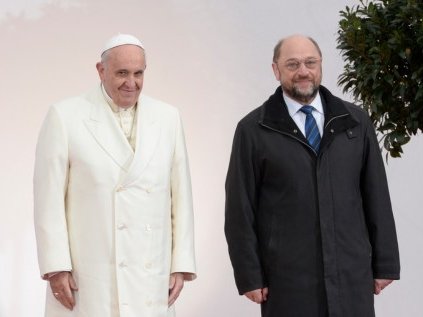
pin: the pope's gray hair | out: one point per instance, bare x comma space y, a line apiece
106, 54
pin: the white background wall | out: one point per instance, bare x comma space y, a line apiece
210, 58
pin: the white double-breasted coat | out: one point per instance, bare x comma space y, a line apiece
120, 221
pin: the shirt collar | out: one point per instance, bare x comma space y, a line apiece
294, 106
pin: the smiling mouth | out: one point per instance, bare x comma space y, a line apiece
304, 83
128, 92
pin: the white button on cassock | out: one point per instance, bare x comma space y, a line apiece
122, 264
120, 188
121, 226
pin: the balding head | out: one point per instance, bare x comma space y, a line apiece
294, 39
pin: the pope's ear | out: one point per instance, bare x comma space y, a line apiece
100, 69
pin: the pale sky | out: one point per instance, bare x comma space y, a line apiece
31, 9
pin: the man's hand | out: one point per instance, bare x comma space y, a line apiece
63, 285
258, 295
380, 284
176, 283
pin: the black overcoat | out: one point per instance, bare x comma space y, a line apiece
315, 228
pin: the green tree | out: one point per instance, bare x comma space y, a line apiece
382, 45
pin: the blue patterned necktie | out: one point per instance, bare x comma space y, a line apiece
311, 129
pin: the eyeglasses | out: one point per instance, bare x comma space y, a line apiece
294, 65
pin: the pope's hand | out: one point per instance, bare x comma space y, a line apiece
63, 285
176, 283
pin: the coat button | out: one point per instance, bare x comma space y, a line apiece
148, 190
122, 264
332, 130
120, 188
295, 131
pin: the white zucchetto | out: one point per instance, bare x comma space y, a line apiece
121, 39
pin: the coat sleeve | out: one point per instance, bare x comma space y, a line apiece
378, 210
183, 254
50, 185
240, 213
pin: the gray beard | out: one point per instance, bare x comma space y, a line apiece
304, 97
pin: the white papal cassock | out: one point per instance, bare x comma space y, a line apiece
120, 221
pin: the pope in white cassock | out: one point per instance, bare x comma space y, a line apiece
113, 205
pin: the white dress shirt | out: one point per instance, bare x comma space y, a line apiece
125, 117
299, 117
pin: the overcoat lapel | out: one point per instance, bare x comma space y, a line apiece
148, 135
104, 128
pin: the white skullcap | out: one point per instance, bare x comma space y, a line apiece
121, 39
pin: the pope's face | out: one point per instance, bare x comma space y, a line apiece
299, 69
122, 73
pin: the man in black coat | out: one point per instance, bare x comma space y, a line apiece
308, 220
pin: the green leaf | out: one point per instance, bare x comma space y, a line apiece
381, 43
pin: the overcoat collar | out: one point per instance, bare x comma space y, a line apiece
105, 129
338, 118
